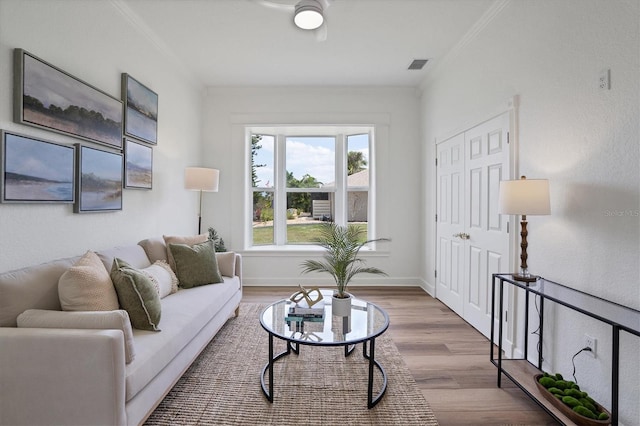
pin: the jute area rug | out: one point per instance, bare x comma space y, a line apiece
318, 387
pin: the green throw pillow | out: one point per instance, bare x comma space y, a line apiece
196, 265
137, 295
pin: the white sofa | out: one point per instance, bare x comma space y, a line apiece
79, 376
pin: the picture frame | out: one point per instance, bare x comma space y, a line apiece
140, 110
35, 170
47, 97
138, 165
99, 180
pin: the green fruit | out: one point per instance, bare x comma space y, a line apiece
584, 411
559, 376
556, 391
547, 382
575, 386
571, 401
586, 403
574, 393
561, 384
603, 416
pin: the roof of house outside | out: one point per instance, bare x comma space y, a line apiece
357, 179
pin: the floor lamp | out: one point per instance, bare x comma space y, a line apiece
524, 197
203, 180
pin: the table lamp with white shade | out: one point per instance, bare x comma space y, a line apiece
204, 180
524, 197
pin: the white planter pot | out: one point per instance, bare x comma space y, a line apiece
341, 307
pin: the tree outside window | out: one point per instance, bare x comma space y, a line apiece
308, 185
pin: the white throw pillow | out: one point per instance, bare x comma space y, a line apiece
87, 286
98, 320
162, 277
227, 263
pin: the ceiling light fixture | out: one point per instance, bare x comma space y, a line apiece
308, 15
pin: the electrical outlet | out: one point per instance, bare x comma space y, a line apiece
590, 342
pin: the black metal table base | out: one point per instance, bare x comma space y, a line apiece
348, 350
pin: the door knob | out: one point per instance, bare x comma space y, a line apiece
462, 235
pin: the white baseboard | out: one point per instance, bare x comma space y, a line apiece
309, 281
428, 287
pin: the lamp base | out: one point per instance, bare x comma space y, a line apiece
526, 279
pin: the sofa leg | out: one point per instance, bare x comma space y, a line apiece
237, 312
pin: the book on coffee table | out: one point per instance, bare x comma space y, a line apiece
296, 311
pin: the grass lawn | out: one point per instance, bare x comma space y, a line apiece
296, 233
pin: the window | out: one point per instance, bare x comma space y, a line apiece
301, 177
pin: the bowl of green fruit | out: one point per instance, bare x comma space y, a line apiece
566, 396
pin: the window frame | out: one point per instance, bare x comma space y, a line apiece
280, 190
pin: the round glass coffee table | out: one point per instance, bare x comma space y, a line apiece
365, 322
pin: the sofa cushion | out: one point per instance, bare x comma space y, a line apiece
176, 239
184, 315
162, 277
196, 265
99, 320
155, 248
226, 263
134, 255
86, 286
137, 295
33, 287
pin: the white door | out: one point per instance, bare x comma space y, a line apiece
450, 250
482, 235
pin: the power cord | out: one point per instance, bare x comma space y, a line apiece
587, 349
536, 332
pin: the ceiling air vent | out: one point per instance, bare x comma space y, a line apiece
417, 64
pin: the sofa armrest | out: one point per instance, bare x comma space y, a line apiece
239, 268
62, 376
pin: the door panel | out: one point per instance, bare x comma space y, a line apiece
488, 242
450, 250
470, 168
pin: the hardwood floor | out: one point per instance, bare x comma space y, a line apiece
448, 358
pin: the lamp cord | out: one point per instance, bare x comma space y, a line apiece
586, 348
537, 330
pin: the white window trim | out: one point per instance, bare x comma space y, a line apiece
280, 133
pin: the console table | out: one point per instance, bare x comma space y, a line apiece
521, 371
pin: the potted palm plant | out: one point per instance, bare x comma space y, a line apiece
341, 261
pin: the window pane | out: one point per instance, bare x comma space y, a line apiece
305, 213
262, 218
262, 152
310, 161
358, 160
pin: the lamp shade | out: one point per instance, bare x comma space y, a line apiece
524, 197
201, 179
308, 15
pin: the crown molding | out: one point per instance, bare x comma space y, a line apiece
487, 17
140, 26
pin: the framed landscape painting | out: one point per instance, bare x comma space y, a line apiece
36, 171
138, 165
49, 98
99, 187
141, 110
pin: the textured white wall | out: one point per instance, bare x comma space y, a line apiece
94, 42
583, 139
398, 169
